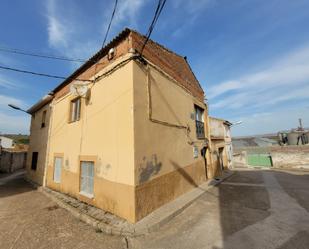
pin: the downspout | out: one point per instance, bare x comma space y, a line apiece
48, 144
209, 142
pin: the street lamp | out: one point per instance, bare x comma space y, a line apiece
237, 123
17, 108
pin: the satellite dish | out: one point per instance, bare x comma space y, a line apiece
78, 89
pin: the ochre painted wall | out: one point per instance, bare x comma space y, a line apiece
139, 164
104, 134
164, 163
38, 143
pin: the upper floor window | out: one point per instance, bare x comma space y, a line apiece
43, 119
75, 107
199, 122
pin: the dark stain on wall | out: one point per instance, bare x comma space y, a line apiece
149, 168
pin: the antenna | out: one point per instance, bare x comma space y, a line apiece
300, 124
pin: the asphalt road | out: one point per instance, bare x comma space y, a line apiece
29, 220
252, 209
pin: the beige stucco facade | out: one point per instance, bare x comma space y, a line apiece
221, 141
137, 126
164, 139
140, 164
104, 134
38, 143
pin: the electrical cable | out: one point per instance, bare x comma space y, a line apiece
110, 23
156, 16
40, 74
46, 56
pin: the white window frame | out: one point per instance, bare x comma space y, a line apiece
87, 178
75, 109
57, 169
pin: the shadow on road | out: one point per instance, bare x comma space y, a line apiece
247, 204
10, 185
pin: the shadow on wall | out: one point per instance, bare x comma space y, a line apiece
149, 168
185, 175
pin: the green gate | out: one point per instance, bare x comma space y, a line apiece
260, 160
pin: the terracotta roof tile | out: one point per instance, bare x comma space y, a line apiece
173, 64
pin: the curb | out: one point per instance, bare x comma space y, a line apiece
150, 223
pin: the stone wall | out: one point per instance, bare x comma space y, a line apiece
282, 156
12, 161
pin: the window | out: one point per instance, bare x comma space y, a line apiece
43, 119
199, 122
86, 181
57, 169
75, 109
34, 161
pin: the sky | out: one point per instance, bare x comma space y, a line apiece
250, 56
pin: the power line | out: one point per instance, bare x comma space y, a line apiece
110, 23
158, 11
46, 56
39, 74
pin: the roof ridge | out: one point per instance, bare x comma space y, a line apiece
170, 51
160, 45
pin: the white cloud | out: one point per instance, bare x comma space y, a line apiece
192, 6
191, 10
12, 121
128, 11
286, 79
71, 36
5, 83
57, 30
14, 124
271, 122
5, 100
66, 33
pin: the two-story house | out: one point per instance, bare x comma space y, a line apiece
124, 132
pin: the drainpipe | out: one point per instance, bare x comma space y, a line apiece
48, 144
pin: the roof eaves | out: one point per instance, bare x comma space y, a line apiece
96, 57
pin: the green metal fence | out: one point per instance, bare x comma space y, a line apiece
260, 160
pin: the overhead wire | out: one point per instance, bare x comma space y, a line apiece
40, 55
110, 23
40, 74
106, 34
156, 16
158, 11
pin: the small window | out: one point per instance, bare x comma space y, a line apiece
43, 119
75, 109
34, 161
199, 121
57, 169
86, 180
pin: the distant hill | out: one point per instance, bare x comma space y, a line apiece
18, 138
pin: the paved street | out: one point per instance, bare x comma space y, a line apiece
28, 219
252, 209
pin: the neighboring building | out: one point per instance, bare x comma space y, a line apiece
133, 141
6, 142
221, 141
39, 140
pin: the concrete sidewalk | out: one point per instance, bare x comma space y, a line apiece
111, 224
